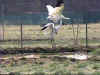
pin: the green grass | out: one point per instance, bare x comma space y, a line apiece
48, 66
96, 51
96, 73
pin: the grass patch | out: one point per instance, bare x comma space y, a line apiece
96, 73
81, 73
62, 72
46, 66
96, 66
39, 73
82, 65
96, 52
64, 37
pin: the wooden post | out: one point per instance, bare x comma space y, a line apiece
86, 22
77, 36
21, 30
0, 33
2, 14
3, 30
73, 30
86, 35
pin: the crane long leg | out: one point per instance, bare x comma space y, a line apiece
52, 36
61, 22
58, 26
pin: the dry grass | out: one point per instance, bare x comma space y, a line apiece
64, 37
47, 64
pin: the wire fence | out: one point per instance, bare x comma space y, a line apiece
17, 31
70, 35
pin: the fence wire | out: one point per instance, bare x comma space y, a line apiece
25, 31
18, 36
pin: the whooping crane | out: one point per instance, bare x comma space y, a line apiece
55, 15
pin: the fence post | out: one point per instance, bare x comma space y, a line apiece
2, 15
3, 29
21, 30
86, 35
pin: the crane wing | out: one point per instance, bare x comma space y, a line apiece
50, 9
63, 17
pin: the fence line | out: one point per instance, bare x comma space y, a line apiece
29, 37
21, 30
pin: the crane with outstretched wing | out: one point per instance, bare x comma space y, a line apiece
55, 15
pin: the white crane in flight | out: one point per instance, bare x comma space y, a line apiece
55, 15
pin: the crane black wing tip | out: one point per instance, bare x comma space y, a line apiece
43, 28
